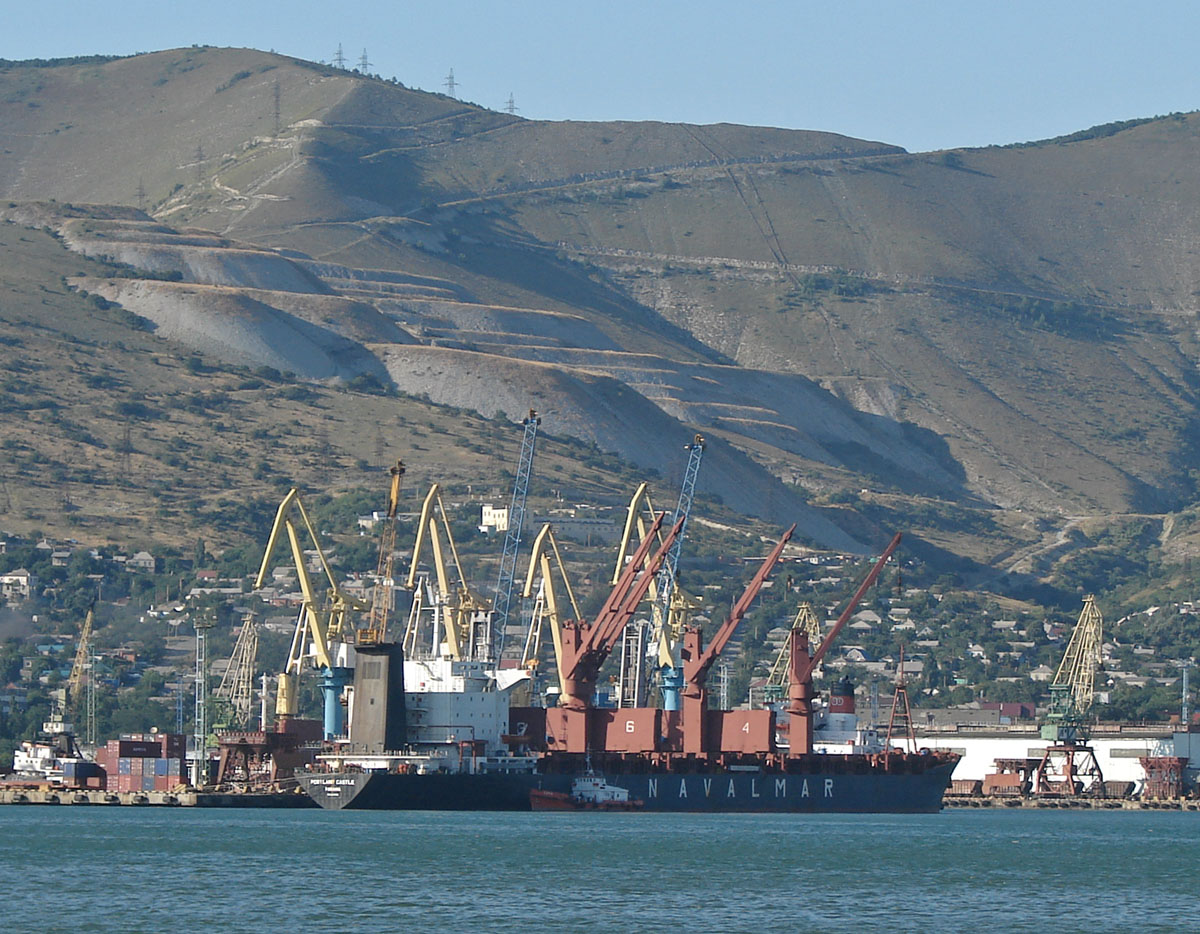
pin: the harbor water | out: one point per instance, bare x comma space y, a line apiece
142, 869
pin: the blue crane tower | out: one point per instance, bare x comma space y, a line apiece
512, 538
671, 676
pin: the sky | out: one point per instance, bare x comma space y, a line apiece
922, 74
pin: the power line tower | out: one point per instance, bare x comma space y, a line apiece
203, 624
339, 59
141, 194
512, 538
450, 84
363, 65
275, 105
511, 105
199, 157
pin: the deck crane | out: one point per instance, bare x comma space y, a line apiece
547, 608
462, 618
512, 538
376, 629
586, 646
697, 662
1069, 758
321, 622
802, 664
806, 622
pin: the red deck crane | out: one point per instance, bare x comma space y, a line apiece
697, 663
801, 664
586, 646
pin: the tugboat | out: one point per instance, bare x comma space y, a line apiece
589, 792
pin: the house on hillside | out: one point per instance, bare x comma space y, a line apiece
142, 562
18, 585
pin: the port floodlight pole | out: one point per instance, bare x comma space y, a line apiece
203, 624
512, 538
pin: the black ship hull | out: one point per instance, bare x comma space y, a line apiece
821, 790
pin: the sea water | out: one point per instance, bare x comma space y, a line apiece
105, 868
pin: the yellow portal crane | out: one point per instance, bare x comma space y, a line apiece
322, 619
665, 633
465, 616
75, 683
806, 622
547, 607
375, 631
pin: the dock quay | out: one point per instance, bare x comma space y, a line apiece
1095, 804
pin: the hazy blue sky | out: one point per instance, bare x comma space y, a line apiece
923, 74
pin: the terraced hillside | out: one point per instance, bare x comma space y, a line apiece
1003, 329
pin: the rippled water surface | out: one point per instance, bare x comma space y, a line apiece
142, 869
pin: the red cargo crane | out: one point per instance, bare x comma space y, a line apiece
697, 663
801, 664
586, 646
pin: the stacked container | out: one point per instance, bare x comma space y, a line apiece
141, 762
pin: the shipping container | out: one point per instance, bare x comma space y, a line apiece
124, 766
148, 782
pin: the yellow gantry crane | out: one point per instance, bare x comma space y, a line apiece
322, 619
375, 630
805, 622
546, 607
665, 631
462, 617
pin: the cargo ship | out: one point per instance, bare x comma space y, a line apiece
435, 733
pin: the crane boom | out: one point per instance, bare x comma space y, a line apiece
82, 659
376, 628
512, 538
696, 664
815, 659
585, 648
665, 582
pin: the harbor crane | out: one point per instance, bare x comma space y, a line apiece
547, 609
806, 622
643, 653
697, 662
376, 629
237, 684
1069, 759
462, 618
512, 537
321, 621
82, 665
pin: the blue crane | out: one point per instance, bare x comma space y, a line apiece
671, 676
512, 538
